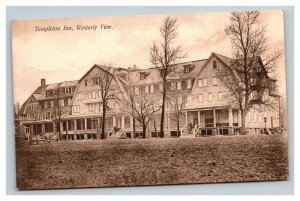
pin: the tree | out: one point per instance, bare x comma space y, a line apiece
163, 56
176, 104
248, 75
143, 110
109, 92
57, 111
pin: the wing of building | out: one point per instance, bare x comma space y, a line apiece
77, 104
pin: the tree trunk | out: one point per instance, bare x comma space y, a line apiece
154, 124
133, 120
163, 111
103, 123
243, 121
144, 131
59, 133
178, 130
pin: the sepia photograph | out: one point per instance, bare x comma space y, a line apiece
115, 101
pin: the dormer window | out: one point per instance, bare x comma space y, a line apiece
214, 64
142, 76
188, 68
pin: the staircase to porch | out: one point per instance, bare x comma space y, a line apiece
185, 132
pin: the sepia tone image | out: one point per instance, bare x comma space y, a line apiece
150, 100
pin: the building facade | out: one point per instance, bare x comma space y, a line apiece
74, 108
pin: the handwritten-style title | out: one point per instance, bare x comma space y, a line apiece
73, 28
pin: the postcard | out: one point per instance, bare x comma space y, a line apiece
150, 100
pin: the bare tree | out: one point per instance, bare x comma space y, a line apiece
176, 104
163, 56
143, 110
248, 77
109, 93
57, 112
130, 101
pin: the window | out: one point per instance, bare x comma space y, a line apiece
142, 76
85, 82
214, 64
90, 95
94, 94
220, 96
96, 81
62, 102
67, 91
45, 104
28, 116
92, 107
189, 98
27, 129
48, 127
80, 96
69, 101
178, 85
62, 90
151, 89
136, 90
249, 116
91, 123
76, 108
186, 69
200, 98
73, 89
179, 100
147, 90
189, 84
210, 97
205, 82
160, 87
259, 117
254, 116
200, 84
215, 81
265, 114
52, 103
173, 85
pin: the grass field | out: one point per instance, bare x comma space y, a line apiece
94, 163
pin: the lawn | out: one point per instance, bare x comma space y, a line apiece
94, 163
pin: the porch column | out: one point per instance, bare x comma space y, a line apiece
123, 122
98, 128
43, 129
61, 126
131, 122
67, 126
186, 117
199, 118
54, 126
168, 121
114, 121
215, 122
85, 129
31, 130
75, 125
239, 118
230, 118
85, 125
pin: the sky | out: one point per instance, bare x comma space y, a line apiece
62, 55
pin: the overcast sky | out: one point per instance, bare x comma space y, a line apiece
67, 55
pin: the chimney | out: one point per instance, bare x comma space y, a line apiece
43, 82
